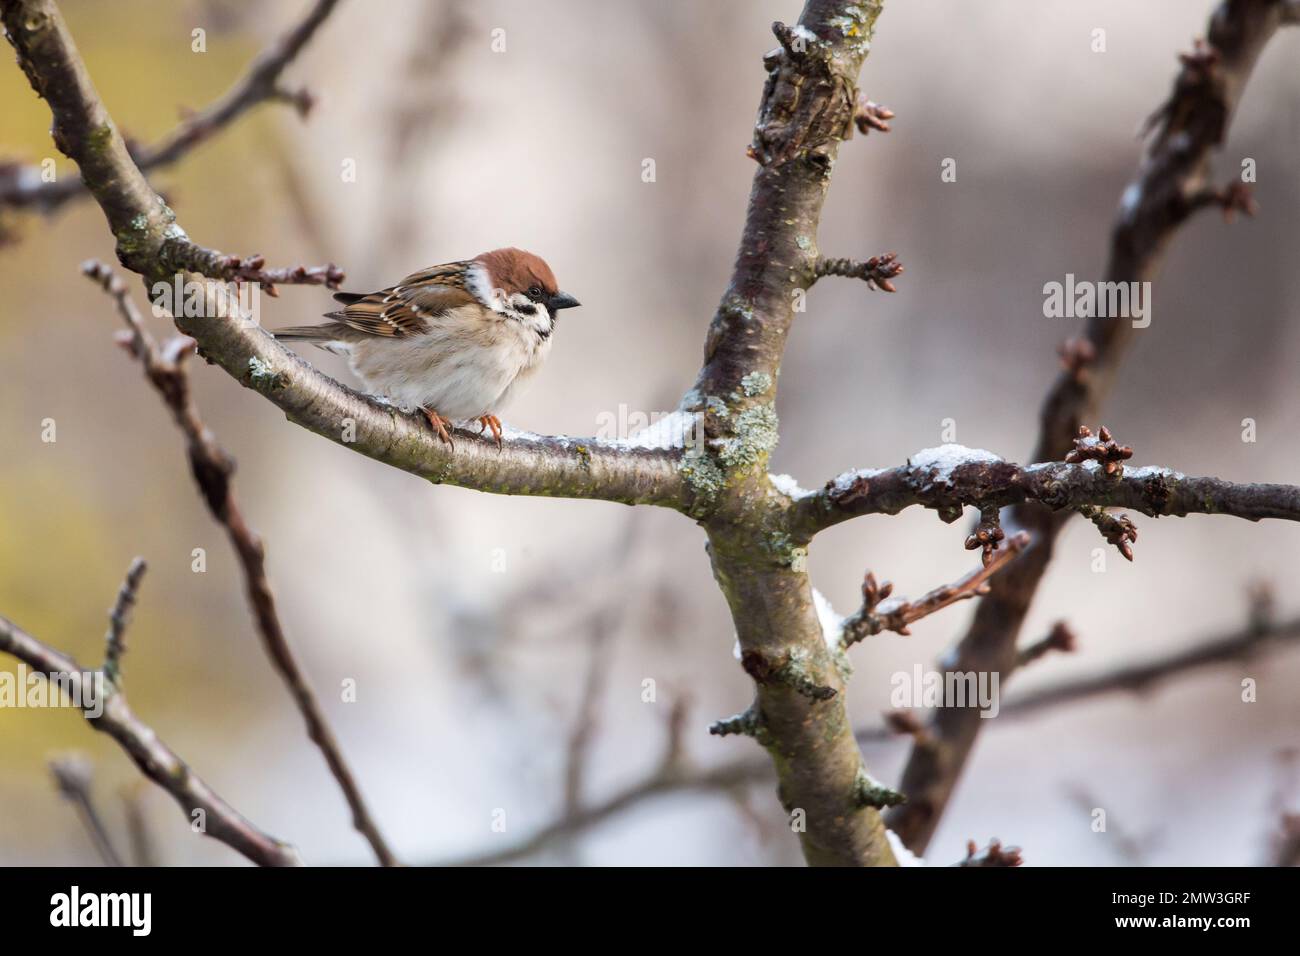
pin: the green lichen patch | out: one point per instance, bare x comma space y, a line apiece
756, 383
717, 406
262, 376
705, 479
785, 551
754, 435
800, 673
869, 792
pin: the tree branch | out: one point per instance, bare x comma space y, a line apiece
213, 468
798, 712
23, 186
951, 477
875, 272
72, 775
155, 759
880, 613
115, 639
1175, 167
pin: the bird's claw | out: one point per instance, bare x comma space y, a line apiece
440, 425
492, 422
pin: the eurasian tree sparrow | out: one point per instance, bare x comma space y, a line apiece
452, 340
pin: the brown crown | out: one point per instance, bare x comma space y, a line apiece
515, 270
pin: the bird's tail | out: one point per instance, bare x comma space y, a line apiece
308, 333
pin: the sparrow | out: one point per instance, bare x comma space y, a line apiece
453, 341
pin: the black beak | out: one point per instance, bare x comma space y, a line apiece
561, 300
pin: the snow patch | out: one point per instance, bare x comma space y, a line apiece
946, 458
1153, 471
670, 431
832, 624
788, 486
844, 482
902, 854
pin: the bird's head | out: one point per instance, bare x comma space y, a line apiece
520, 285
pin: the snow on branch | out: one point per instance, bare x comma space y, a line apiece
951, 477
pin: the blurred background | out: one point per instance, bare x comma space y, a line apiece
480, 631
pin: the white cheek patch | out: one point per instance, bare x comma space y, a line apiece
476, 281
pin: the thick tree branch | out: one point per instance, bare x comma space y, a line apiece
213, 468
154, 758
23, 186
951, 477
1175, 168
807, 109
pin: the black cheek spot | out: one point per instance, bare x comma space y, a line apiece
526, 309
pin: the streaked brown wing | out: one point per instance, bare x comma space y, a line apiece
406, 308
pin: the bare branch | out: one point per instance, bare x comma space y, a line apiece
23, 186
1174, 168
143, 851
869, 115
806, 111
949, 478
992, 855
876, 271
154, 758
1059, 638
878, 614
72, 774
115, 639
212, 468
188, 257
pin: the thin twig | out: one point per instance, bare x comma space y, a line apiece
879, 613
72, 774
23, 186
212, 468
155, 759
995, 854
1059, 638
143, 850
115, 639
876, 272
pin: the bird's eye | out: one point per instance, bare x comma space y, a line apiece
535, 292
